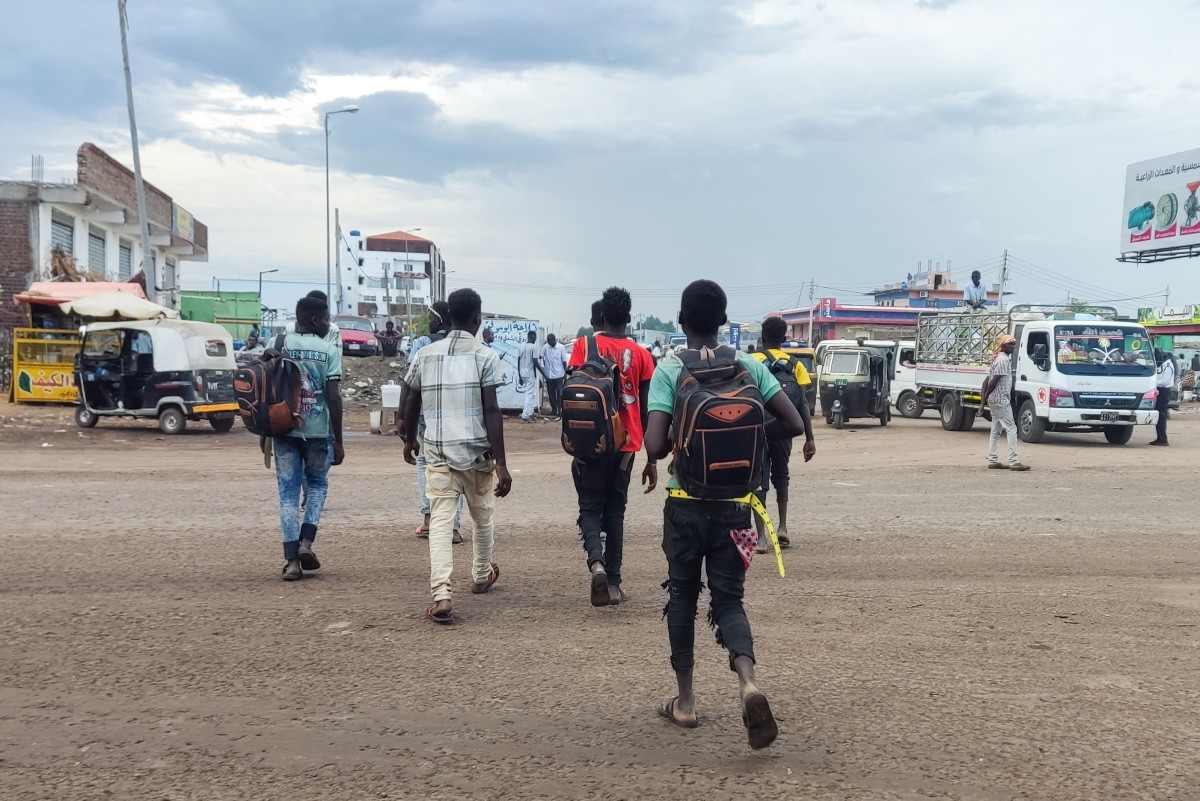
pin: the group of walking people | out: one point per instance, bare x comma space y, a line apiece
453, 431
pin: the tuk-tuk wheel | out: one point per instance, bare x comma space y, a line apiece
839, 419
172, 421
84, 418
222, 425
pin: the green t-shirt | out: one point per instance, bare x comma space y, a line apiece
319, 362
666, 377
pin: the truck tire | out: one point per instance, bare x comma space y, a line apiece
968, 420
222, 425
952, 412
909, 405
1030, 427
1118, 435
172, 421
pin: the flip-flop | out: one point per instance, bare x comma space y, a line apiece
667, 710
761, 728
492, 578
443, 619
457, 539
422, 532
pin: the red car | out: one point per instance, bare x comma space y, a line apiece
358, 335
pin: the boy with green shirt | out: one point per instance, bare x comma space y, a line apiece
703, 535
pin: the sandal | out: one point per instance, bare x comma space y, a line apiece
457, 539
443, 619
667, 710
761, 728
423, 529
494, 576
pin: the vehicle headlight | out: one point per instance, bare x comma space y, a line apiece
372, 342
1148, 400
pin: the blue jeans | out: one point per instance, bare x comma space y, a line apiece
301, 462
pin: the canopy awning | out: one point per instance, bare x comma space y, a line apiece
121, 305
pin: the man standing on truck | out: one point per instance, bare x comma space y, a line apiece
1165, 382
997, 395
975, 295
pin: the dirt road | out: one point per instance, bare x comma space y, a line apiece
943, 631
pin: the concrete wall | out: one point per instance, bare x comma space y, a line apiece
16, 258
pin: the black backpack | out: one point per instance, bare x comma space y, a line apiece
784, 370
268, 393
591, 425
719, 422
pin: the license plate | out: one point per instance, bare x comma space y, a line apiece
840, 382
1109, 417
353, 347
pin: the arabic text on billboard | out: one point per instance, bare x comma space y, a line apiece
1161, 208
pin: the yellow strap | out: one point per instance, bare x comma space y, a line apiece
755, 504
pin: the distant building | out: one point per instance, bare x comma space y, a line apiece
929, 290
397, 274
89, 230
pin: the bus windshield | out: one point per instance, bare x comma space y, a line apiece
1099, 349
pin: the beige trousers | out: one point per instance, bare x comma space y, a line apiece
444, 486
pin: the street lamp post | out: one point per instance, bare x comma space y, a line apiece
407, 286
260, 302
328, 236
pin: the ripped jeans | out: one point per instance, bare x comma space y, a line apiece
696, 537
301, 462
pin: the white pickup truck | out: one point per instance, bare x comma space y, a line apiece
1082, 371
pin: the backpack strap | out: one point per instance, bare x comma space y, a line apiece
279, 340
593, 349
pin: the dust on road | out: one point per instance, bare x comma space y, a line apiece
943, 631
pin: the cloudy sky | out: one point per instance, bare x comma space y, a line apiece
554, 148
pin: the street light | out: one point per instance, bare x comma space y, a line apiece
407, 290
260, 303
351, 109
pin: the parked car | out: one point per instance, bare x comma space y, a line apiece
358, 335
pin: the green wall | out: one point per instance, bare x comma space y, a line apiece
235, 311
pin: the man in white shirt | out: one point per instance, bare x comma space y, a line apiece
975, 294
554, 367
528, 366
1165, 382
997, 395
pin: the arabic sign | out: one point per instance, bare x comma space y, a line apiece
45, 383
735, 335
182, 224
1161, 208
1169, 315
510, 335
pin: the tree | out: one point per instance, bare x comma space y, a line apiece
585, 331
652, 323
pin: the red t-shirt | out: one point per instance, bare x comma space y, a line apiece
635, 365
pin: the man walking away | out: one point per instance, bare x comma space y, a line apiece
711, 535
439, 326
975, 294
997, 395
603, 485
303, 455
528, 366
554, 365
1165, 382
793, 378
452, 387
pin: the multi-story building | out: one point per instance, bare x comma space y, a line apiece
89, 230
931, 289
395, 275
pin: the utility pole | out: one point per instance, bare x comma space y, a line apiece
812, 291
1003, 278
387, 291
139, 185
337, 260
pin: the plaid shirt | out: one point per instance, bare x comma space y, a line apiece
1001, 370
450, 375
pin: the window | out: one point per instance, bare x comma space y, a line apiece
124, 259
62, 232
102, 344
845, 363
169, 275
96, 249
1103, 349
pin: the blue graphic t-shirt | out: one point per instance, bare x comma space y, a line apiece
319, 362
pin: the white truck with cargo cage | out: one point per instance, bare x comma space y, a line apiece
1077, 370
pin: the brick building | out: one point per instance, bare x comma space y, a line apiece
89, 230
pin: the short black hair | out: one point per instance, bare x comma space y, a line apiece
531, 336
441, 310
463, 306
310, 309
703, 307
319, 295
597, 314
615, 305
774, 329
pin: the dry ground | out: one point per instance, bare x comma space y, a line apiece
943, 631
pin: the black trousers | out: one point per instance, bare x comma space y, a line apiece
696, 538
554, 387
603, 489
1163, 404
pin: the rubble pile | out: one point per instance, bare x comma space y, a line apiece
362, 376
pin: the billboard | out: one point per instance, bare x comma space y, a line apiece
510, 335
1161, 211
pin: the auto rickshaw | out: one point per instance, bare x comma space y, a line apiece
798, 349
854, 383
171, 370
